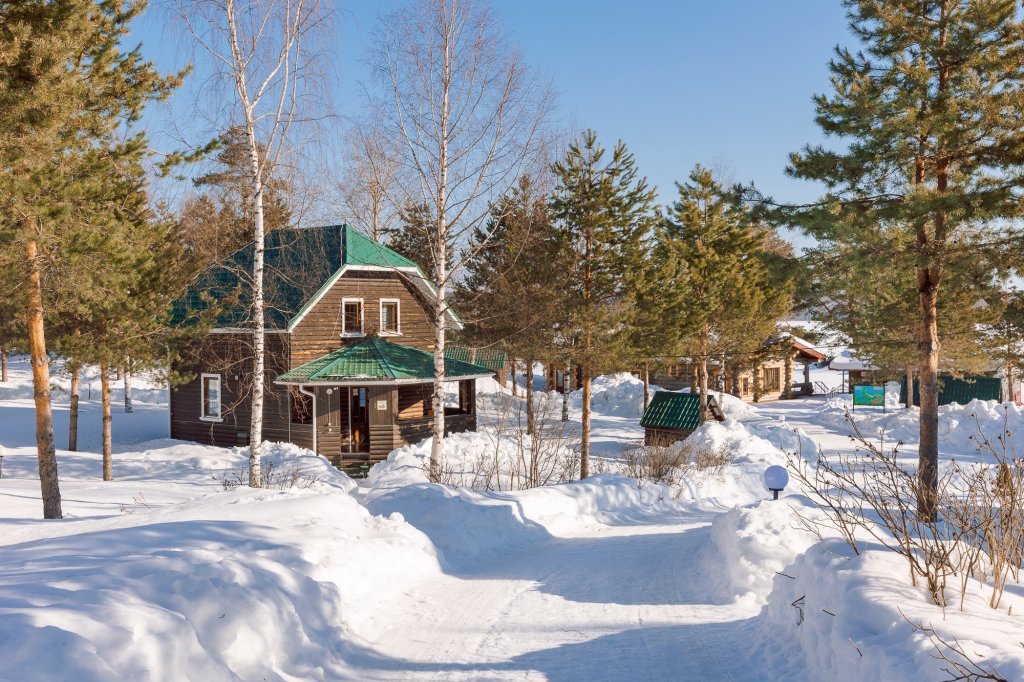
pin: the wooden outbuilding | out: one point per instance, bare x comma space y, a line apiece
671, 417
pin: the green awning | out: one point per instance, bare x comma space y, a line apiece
375, 360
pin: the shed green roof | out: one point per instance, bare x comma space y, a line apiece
668, 410
298, 263
374, 359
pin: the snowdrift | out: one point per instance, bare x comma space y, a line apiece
246, 584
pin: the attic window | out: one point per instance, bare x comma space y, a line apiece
389, 316
352, 317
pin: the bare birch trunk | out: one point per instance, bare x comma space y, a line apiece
76, 380
437, 444
128, 388
45, 451
108, 450
258, 333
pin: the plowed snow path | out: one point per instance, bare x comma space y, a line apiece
621, 603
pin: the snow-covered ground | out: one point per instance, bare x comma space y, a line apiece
172, 572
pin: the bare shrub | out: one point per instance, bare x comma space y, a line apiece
711, 460
960, 665
270, 477
671, 464
514, 459
656, 463
979, 531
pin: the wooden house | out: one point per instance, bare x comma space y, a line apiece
349, 350
763, 376
671, 417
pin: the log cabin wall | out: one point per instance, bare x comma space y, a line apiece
319, 332
228, 355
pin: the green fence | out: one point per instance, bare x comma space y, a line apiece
958, 390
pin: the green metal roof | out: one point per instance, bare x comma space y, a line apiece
359, 249
298, 263
492, 358
668, 410
374, 359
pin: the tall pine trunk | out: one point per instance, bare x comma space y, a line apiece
531, 417
76, 380
787, 391
910, 386
928, 391
585, 423
128, 387
566, 389
702, 376
3, 365
108, 456
45, 451
647, 384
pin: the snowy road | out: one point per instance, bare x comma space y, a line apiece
628, 603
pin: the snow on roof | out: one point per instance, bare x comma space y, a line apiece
847, 362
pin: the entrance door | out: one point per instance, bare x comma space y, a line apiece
356, 436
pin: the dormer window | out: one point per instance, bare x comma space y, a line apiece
352, 317
390, 324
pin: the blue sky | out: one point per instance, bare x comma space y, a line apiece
724, 83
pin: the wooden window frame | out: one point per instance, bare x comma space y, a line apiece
202, 398
362, 318
398, 317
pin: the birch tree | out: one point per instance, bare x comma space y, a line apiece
466, 113
263, 49
370, 179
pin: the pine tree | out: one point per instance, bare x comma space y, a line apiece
606, 212
66, 89
710, 282
930, 114
514, 291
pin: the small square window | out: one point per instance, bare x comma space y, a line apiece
210, 389
389, 322
352, 317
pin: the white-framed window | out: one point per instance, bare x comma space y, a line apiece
352, 317
210, 409
390, 317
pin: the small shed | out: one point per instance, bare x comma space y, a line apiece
671, 417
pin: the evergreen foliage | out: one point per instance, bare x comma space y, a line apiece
606, 211
709, 282
931, 163
69, 96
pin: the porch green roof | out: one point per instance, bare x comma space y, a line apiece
374, 359
669, 410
